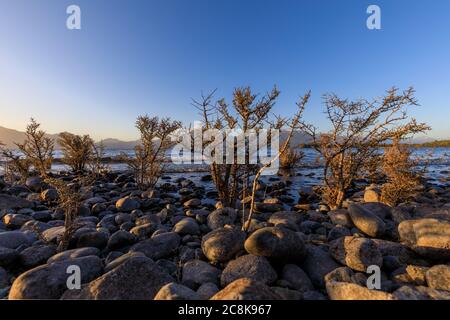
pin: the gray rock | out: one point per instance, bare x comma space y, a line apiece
379, 209
356, 253
138, 278
207, 290
8, 256
44, 215
121, 259
11, 202
297, 278
127, 204
390, 248
159, 246
175, 291
318, 264
4, 278
340, 217
366, 221
73, 254
268, 207
276, 243
246, 289
49, 281
35, 184
53, 234
144, 231
287, 219
36, 255
428, 237
420, 293
94, 239
15, 221
351, 291
438, 277
187, 226
192, 203
49, 195
197, 272
338, 232
248, 266
14, 239
223, 244
221, 217
121, 239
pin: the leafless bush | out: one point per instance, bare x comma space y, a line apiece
290, 158
293, 124
358, 128
37, 148
77, 150
148, 162
402, 177
247, 112
69, 199
16, 166
96, 165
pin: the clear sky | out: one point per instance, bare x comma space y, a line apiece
136, 57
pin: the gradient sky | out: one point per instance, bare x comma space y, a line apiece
136, 57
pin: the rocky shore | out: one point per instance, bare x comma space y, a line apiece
174, 243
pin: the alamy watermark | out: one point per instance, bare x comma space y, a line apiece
73, 21
227, 146
374, 20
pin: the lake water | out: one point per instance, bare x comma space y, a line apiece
310, 171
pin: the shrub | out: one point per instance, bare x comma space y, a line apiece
402, 177
37, 148
358, 128
148, 162
77, 150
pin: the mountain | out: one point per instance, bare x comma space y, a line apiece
10, 136
116, 144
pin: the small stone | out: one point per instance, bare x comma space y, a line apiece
221, 217
365, 221
356, 253
351, 291
438, 277
73, 254
93, 239
175, 291
121, 239
276, 243
187, 226
138, 278
207, 290
297, 278
49, 281
127, 204
248, 266
36, 255
49, 195
223, 244
340, 217
317, 264
197, 272
159, 246
246, 289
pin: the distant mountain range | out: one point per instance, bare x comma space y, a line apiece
10, 136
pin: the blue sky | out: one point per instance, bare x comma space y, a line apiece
136, 57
